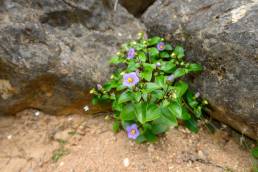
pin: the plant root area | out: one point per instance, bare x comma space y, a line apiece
32, 141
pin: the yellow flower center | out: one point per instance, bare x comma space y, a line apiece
133, 131
130, 80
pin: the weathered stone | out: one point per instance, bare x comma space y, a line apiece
52, 51
223, 36
136, 7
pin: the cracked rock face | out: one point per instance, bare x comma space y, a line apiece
52, 51
136, 7
223, 36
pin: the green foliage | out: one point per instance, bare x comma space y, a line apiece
254, 152
60, 152
148, 89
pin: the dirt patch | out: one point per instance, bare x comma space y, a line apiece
36, 142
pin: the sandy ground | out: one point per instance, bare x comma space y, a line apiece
36, 142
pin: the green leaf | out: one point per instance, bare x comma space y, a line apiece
168, 67
194, 67
179, 51
94, 100
147, 71
150, 137
145, 95
164, 54
146, 74
111, 84
191, 99
116, 126
180, 72
158, 94
115, 60
153, 112
149, 66
153, 41
140, 112
146, 112
198, 111
116, 106
164, 122
127, 113
185, 114
138, 46
176, 109
191, 124
181, 88
254, 152
142, 57
140, 139
168, 47
159, 128
153, 52
132, 66
161, 81
151, 86
120, 87
137, 96
125, 97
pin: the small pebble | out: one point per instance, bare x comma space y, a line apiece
37, 113
61, 164
9, 137
126, 162
70, 119
86, 108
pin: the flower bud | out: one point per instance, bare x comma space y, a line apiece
171, 78
134, 42
158, 64
92, 91
197, 95
205, 102
99, 87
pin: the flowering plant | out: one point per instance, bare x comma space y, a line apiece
147, 92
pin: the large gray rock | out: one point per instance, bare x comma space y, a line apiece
223, 36
52, 51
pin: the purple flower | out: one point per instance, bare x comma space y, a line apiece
99, 87
158, 64
171, 78
132, 131
131, 53
130, 79
161, 46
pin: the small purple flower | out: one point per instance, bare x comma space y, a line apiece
145, 36
171, 78
132, 131
131, 53
130, 79
161, 46
99, 87
158, 64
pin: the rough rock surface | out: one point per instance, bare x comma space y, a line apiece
136, 7
52, 51
223, 36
